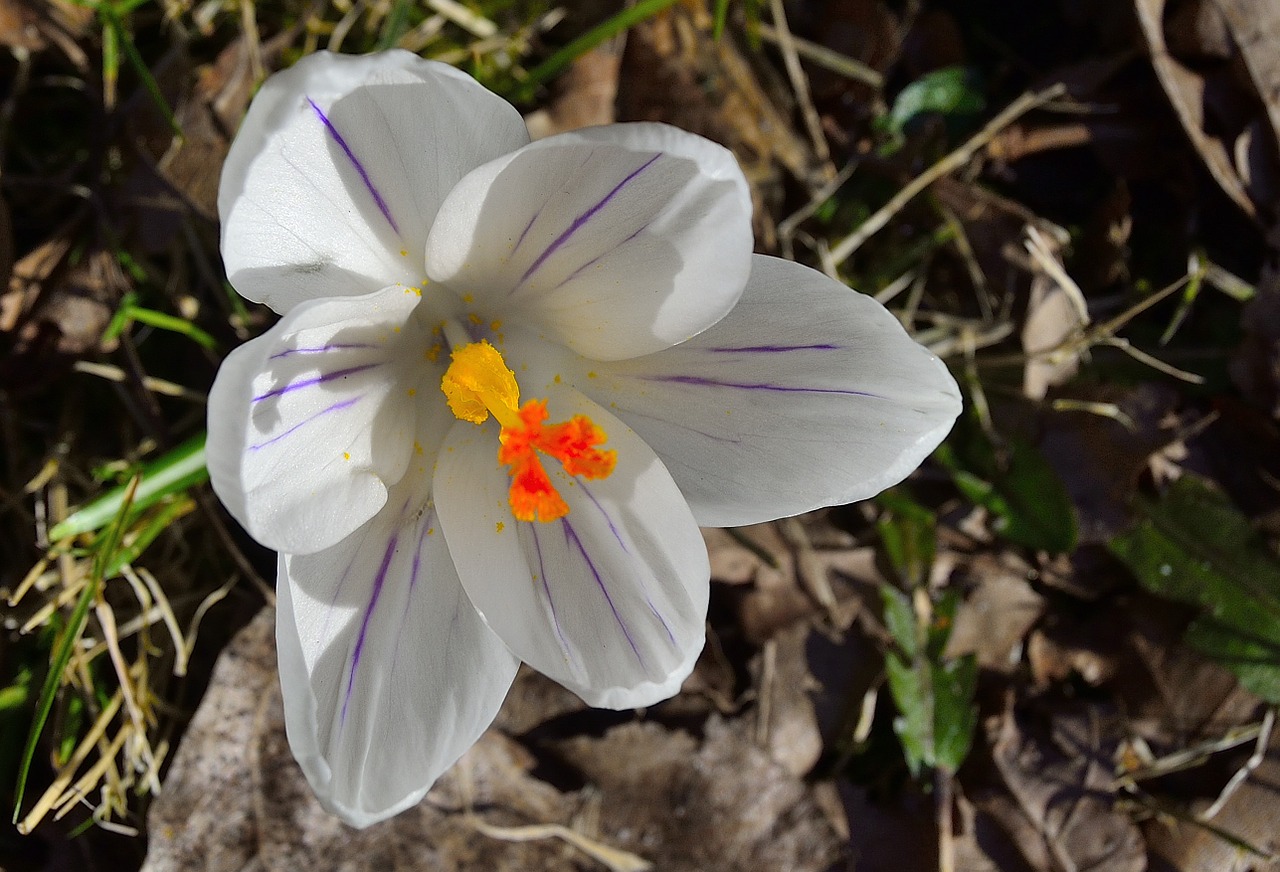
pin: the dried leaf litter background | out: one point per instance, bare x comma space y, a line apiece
1084, 675
716, 779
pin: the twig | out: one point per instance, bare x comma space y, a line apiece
1254, 761
958, 158
787, 226
800, 84
942, 785
825, 57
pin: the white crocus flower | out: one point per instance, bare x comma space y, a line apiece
509, 383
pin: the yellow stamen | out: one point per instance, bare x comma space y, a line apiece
477, 384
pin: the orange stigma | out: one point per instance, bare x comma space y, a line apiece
477, 384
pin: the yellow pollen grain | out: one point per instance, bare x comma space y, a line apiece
499, 527
433, 352
413, 392
431, 531
557, 378
404, 252
346, 455
591, 375
395, 329
475, 319
417, 447
495, 326
468, 299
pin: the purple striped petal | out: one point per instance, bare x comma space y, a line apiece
614, 241
335, 178
309, 424
609, 600
388, 673
820, 393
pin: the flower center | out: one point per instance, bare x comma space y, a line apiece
477, 384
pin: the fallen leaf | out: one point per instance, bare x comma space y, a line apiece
1061, 778
653, 795
998, 610
719, 803
585, 95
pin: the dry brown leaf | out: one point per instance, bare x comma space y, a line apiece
721, 97
1055, 316
786, 723
585, 95
1218, 111
1061, 779
997, 612
795, 568
1101, 459
1252, 814
235, 800
703, 806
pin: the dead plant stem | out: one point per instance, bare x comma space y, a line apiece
956, 159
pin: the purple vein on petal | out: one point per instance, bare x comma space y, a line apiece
771, 349
336, 407
661, 620
582, 485
582, 220
320, 379
699, 381
364, 623
571, 536
546, 590
322, 349
355, 162
424, 526
628, 414
595, 260
525, 232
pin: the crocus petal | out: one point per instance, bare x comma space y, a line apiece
610, 600
388, 673
310, 422
808, 394
614, 241
340, 166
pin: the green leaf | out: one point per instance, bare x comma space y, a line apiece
914, 722
952, 92
900, 619
1028, 500
907, 533
954, 714
172, 473
1193, 546
934, 696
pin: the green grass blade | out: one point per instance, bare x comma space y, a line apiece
722, 16
63, 647
155, 526
181, 468
396, 25
115, 26
552, 66
172, 323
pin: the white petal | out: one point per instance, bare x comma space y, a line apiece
614, 241
310, 423
808, 394
388, 673
611, 600
335, 177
